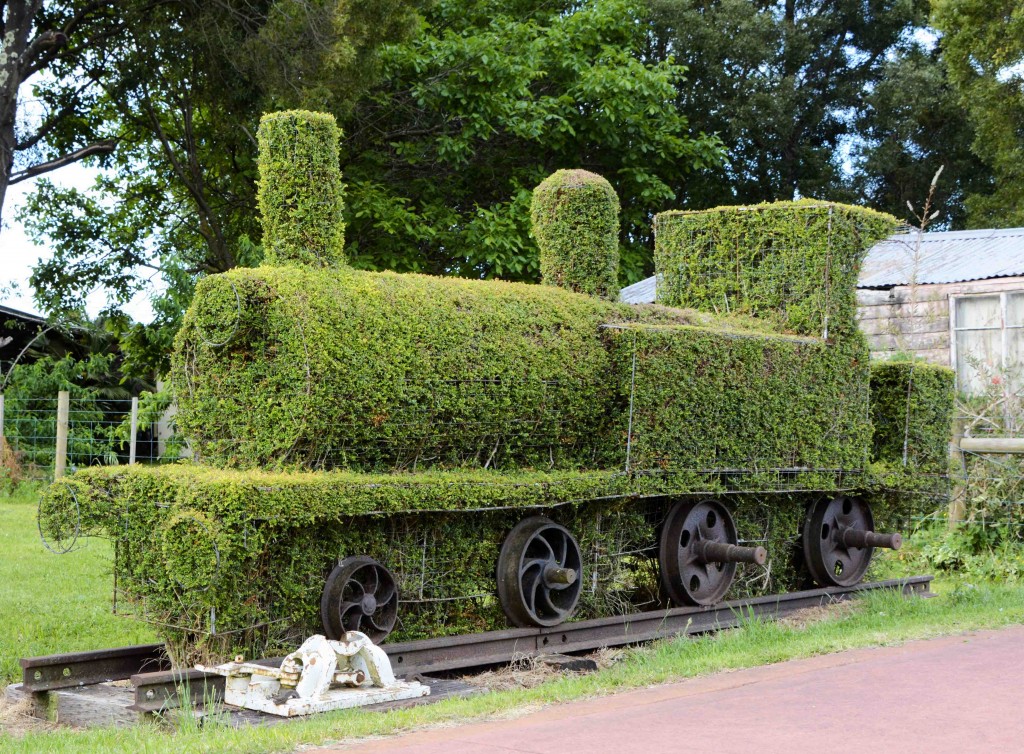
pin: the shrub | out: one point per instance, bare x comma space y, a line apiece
300, 189
575, 221
793, 263
712, 399
912, 405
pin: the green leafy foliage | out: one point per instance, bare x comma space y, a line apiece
574, 218
982, 44
488, 100
793, 263
781, 84
912, 406
228, 560
300, 189
704, 399
286, 366
912, 123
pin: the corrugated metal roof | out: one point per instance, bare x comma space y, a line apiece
639, 293
7, 312
944, 257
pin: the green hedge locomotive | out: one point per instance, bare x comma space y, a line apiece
421, 456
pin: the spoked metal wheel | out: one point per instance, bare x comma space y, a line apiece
839, 539
539, 571
360, 595
698, 553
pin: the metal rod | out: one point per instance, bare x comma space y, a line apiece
721, 552
63, 409
862, 538
135, 429
556, 575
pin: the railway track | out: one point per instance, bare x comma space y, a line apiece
157, 687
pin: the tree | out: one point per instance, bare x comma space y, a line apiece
780, 83
184, 88
447, 133
911, 124
65, 42
488, 100
983, 46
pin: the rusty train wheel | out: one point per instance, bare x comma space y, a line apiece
839, 539
698, 552
360, 595
539, 571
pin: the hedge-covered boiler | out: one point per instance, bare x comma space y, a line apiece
427, 456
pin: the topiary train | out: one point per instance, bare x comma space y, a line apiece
371, 449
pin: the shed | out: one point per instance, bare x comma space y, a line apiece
954, 298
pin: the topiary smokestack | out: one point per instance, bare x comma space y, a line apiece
575, 218
300, 189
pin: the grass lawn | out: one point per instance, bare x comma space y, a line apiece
51, 603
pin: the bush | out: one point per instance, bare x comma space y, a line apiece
912, 406
793, 263
575, 221
300, 189
296, 367
708, 399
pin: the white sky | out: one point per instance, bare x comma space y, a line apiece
18, 255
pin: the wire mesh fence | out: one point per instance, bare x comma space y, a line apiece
87, 431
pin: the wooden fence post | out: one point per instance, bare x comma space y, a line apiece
957, 485
135, 429
63, 409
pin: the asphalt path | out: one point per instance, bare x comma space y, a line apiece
959, 694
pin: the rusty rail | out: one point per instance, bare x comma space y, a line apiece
71, 669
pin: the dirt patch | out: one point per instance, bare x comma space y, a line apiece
16, 717
808, 616
528, 672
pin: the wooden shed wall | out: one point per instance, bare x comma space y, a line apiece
915, 319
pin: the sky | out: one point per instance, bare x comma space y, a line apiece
18, 254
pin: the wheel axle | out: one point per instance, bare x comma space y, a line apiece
720, 552
861, 538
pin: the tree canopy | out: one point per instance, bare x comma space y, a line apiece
452, 111
983, 46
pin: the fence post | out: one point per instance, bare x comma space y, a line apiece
135, 429
63, 409
3, 440
957, 486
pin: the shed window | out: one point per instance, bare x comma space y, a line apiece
989, 341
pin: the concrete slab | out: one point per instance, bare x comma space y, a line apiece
953, 694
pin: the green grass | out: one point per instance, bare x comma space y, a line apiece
79, 618
51, 603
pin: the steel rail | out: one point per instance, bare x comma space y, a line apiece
165, 689
72, 669
470, 650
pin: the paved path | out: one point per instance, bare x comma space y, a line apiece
954, 694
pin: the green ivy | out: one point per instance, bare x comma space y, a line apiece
792, 263
226, 560
912, 408
300, 189
416, 419
575, 221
